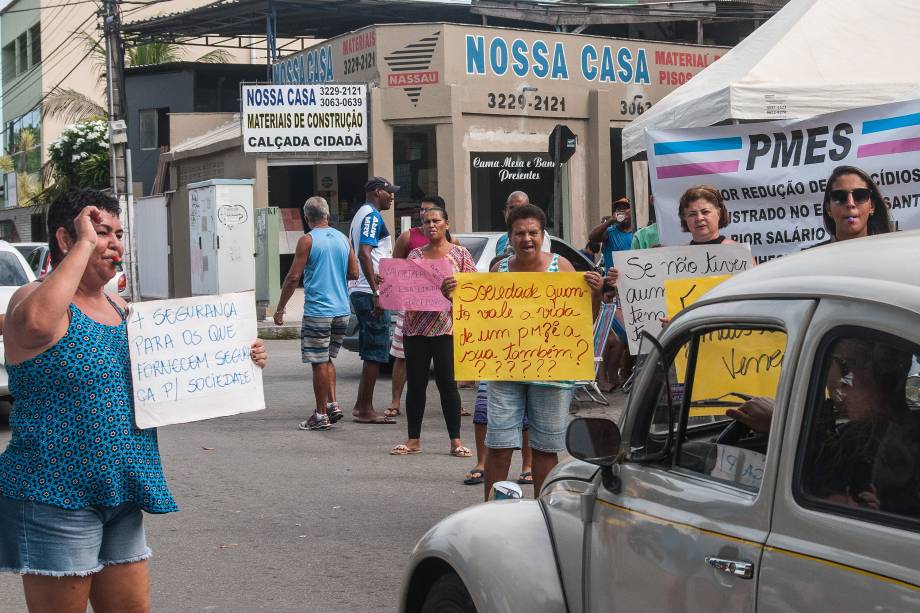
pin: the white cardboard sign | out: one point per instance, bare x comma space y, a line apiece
644, 271
190, 359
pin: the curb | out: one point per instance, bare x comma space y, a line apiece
273, 332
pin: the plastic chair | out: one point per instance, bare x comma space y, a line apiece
602, 326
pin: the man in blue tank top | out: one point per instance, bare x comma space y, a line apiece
327, 263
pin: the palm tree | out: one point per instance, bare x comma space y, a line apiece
73, 106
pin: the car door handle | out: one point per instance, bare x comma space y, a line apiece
735, 568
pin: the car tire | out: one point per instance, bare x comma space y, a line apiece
448, 595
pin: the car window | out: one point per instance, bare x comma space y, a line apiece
474, 244
730, 369
714, 371
579, 262
660, 404
11, 270
34, 259
861, 454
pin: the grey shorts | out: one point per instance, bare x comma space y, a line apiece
321, 338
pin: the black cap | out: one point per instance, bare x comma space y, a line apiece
380, 183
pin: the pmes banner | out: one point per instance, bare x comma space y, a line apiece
190, 359
772, 175
304, 118
523, 326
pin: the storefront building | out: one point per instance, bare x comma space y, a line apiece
456, 110
466, 112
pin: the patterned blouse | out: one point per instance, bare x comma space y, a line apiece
74, 441
437, 323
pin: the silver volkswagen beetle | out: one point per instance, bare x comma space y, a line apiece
768, 460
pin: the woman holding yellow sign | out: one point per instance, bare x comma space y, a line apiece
546, 403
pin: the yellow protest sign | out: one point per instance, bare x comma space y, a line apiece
523, 326
729, 360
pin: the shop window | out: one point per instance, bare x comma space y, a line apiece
154, 128
495, 175
415, 167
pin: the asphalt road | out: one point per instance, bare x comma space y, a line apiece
276, 519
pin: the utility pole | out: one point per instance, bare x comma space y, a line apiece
119, 154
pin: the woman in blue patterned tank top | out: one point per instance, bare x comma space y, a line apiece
77, 473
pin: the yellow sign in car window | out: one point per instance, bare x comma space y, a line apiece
732, 364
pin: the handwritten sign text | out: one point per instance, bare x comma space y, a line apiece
190, 359
523, 327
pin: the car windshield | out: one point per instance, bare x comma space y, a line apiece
11, 270
474, 244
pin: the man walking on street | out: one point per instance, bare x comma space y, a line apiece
614, 233
327, 262
371, 241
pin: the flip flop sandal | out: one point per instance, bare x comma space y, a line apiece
388, 412
525, 478
464, 412
461, 452
474, 477
403, 450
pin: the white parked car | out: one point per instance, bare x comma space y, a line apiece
810, 501
14, 273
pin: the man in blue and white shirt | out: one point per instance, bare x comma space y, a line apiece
372, 242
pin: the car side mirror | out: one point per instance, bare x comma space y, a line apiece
593, 440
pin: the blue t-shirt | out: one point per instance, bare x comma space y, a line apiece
367, 228
617, 240
325, 284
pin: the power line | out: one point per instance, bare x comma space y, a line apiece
47, 6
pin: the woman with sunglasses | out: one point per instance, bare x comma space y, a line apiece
853, 206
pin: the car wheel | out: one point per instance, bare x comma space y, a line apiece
448, 595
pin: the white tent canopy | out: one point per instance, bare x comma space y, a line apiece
812, 57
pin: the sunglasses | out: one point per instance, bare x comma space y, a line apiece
861, 195
621, 207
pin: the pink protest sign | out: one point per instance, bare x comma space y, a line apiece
414, 285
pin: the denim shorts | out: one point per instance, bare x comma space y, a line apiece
481, 412
41, 539
373, 332
546, 409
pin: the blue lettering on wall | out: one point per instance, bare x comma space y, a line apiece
589, 62
642, 74
607, 72
560, 66
498, 56
313, 66
521, 65
495, 56
475, 54
624, 55
540, 63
